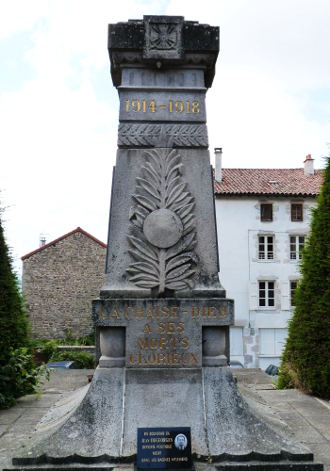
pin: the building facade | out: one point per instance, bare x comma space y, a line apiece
59, 281
263, 218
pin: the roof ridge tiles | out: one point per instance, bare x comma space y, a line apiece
64, 236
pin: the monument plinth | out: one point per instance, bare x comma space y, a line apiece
162, 319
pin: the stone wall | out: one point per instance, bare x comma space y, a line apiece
59, 282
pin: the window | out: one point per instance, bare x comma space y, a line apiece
266, 247
296, 212
266, 212
296, 246
293, 287
266, 293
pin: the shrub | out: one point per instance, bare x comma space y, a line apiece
49, 348
70, 340
46, 349
19, 376
81, 359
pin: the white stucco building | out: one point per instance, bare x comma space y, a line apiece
263, 218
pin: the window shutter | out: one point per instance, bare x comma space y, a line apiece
253, 295
236, 341
267, 341
280, 339
285, 296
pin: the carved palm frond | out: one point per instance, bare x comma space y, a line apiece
161, 186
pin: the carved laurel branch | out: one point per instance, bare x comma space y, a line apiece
182, 135
161, 186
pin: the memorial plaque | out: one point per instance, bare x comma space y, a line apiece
164, 448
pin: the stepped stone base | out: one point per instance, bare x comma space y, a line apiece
102, 430
230, 466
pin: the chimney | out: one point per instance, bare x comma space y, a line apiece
309, 165
218, 163
42, 240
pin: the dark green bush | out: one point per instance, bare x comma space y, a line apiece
306, 358
14, 326
18, 376
49, 348
81, 359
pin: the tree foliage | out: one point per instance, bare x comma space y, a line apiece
14, 325
306, 357
18, 374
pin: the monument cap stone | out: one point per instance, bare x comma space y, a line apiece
163, 41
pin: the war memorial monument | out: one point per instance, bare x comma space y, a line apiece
162, 318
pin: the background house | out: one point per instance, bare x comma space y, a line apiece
263, 218
60, 279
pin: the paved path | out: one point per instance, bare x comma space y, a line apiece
305, 419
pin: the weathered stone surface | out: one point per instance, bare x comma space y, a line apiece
103, 427
163, 37
165, 333
95, 426
198, 45
232, 427
196, 173
59, 284
151, 105
163, 228
165, 398
161, 80
164, 135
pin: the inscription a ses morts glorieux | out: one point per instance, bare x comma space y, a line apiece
159, 334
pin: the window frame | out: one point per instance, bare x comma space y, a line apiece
295, 217
268, 255
269, 301
263, 217
296, 254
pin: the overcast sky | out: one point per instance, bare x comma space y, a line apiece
269, 105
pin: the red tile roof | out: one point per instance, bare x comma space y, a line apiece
78, 229
272, 182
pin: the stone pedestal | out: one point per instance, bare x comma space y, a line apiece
103, 428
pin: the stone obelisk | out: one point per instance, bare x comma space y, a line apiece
162, 319
163, 305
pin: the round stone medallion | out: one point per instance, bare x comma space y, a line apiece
163, 228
